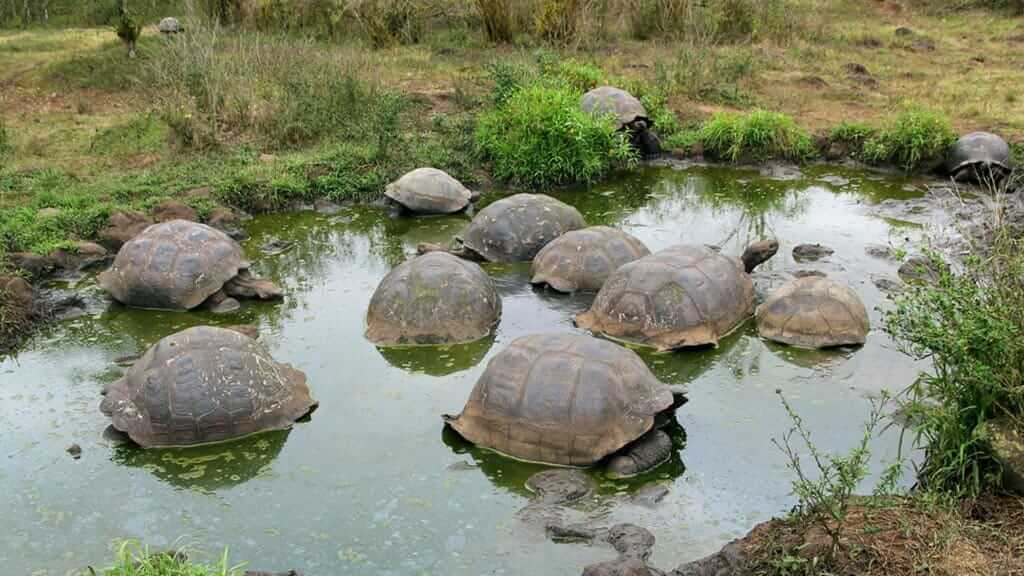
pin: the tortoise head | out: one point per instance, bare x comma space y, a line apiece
759, 252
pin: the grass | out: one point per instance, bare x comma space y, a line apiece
755, 137
917, 139
133, 559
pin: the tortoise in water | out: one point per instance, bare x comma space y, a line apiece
813, 312
630, 116
582, 260
682, 296
205, 385
178, 265
429, 191
435, 298
514, 229
979, 156
570, 400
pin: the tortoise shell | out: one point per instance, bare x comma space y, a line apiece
682, 296
514, 229
813, 312
205, 385
429, 191
979, 149
435, 298
609, 100
582, 260
175, 265
564, 399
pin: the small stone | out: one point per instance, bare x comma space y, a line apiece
878, 251
1007, 441
174, 210
888, 285
83, 255
75, 451
809, 273
275, 246
919, 269
811, 252
35, 265
650, 495
326, 207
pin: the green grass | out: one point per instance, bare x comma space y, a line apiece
132, 559
917, 139
853, 135
755, 137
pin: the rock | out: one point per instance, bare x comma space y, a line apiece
170, 26
888, 285
245, 285
560, 486
122, 226
326, 207
620, 567
275, 246
35, 265
860, 74
728, 561
66, 306
634, 545
227, 221
174, 210
813, 81
811, 252
83, 255
18, 292
919, 269
1007, 440
650, 495
782, 172
75, 451
879, 251
259, 573
250, 330
47, 213
837, 181
808, 273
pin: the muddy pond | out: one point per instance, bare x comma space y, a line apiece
372, 484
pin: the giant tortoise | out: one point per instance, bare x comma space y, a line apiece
979, 156
514, 229
679, 297
813, 312
582, 260
435, 298
630, 116
569, 400
429, 191
204, 385
178, 265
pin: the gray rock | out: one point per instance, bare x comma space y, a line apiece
1007, 440
919, 269
811, 252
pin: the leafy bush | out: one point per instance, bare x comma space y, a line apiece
851, 135
539, 137
971, 327
757, 136
134, 560
916, 139
580, 76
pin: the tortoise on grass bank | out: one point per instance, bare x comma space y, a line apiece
570, 400
582, 260
630, 116
435, 298
979, 157
204, 385
813, 312
682, 296
429, 191
178, 265
514, 229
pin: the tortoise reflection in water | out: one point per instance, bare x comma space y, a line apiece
570, 400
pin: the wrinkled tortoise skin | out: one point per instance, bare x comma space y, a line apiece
563, 399
610, 100
435, 298
429, 191
813, 312
582, 260
514, 229
175, 265
682, 296
205, 385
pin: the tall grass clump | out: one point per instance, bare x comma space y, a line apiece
558, 21
540, 137
390, 22
970, 325
755, 137
708, 74
917, 139
500, 19
133, 559
5, 140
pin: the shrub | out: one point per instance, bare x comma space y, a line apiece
539, 137
916, 139
851, 135
389, 22
558, 21
500, 19
757, 136
970, 326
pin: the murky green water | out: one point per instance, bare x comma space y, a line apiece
372, 485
